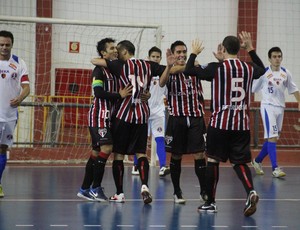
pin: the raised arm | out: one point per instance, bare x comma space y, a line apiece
170, 62
247, 44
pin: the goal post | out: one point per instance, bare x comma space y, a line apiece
52, 125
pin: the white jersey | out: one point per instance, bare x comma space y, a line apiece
156, 101
13, 73
273, 84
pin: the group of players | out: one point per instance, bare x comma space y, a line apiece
119, 115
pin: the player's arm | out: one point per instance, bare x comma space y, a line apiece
98, 87
24, 93
165, 75
259, 68
297, 96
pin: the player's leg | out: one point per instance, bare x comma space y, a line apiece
6, 140
240, 155
196, 144
158, 132
272, 146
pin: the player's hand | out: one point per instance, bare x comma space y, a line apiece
197, 46
170, 58
145, 96
220, 53
246, 41
127, 91
15, 102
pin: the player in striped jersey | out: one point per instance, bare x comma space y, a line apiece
14, 88
272, 85
156, 123
132, 113
186, 128
106, 93
228, 134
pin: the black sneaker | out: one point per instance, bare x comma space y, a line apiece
251, 203
208, 207
98, 194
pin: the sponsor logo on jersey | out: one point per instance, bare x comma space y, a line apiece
14, 75
13, 66
102, 132
9, 137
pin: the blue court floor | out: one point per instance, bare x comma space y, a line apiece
44, 197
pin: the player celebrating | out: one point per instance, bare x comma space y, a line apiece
106, 93
156, 123
14, 88
272, 85
228, 133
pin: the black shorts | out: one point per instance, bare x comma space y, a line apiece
129, 138
185, 135
229, 144
100, 136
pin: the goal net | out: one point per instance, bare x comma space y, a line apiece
52, 125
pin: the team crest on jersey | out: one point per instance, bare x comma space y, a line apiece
159, 129
13, 66
168, 139
14, 75
3, 75
270, 83
102, 132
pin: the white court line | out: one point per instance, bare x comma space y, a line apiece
125, 225
89, 225
189, 226
24, 225
59, 225
249, 226
219, 226
157, 226
279, 226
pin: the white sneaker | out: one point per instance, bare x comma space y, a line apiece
147, 198
165, 170
135, 170
278, 173
118, 198
178, 198
257, 167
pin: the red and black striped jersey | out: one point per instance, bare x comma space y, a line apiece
231, 82
105, 89
138, 73
185, 95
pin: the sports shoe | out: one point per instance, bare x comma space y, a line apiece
278, 173
85, 194
1, 192
257, 167
135, 170
203, 195
251, 203
164, 171
208, 207
98, 194
178, 198
118, 198
147, 198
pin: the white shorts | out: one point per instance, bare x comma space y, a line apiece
156, 127
272, 118
6, 132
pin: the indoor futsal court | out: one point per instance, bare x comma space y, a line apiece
44, 197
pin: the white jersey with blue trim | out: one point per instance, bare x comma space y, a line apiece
13, 73
273, 85
156, 101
